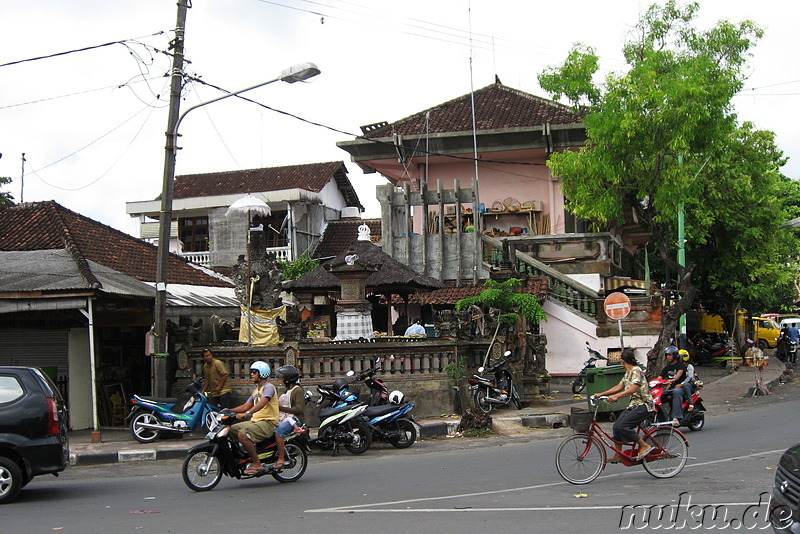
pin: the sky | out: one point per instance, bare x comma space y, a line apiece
91, 123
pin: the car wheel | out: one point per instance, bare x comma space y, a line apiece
10, 480
762, 344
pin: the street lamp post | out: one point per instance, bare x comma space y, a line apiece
297, 73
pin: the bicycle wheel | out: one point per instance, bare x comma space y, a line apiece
580, 458
671, 456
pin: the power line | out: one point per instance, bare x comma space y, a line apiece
84, 49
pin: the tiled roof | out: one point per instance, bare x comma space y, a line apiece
450, 294
49, 226
339, 235
311, 177
497, 107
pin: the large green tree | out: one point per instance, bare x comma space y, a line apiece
660, 134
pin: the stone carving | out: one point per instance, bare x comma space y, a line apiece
264, 269
294, 328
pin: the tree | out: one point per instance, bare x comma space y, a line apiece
5, 198
292, 270
654, 131
511, 304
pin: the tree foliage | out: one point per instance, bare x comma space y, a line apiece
292, 270
5, 197
662, 137
506, 297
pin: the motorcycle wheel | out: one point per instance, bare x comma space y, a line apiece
578, 385
482, 403
201, 471
697, 422
294, 466
362, 438
144, 434
408, 434
515, 398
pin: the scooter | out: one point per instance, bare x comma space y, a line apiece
207, 462
579, 383
342, 423
501, 391
695, 420
391, 423
379, 393
152, 416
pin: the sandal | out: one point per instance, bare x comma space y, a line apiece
643, 453
278, 465
253, 470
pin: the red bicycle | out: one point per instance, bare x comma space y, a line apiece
581, 457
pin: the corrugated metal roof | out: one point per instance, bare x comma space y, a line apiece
214, 297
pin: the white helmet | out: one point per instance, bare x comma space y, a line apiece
396, 397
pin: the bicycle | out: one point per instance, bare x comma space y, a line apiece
581, 457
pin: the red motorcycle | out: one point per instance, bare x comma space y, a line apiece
662, 397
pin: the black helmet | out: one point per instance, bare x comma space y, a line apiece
288, 373
340, 383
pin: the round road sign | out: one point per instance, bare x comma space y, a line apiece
617, 305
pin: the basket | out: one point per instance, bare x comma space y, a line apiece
580, 419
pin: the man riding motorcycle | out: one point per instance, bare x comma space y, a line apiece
263, 406
675, 374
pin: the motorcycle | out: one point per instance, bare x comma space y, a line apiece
711, 350
342, 423
388, 415
579, 383
152, 416
205, 463
695, 420
501, 391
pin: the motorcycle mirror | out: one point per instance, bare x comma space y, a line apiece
481, 369
507, 353
350, 373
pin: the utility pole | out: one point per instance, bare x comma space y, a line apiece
22, 181
165, 216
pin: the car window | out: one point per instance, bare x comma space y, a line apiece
48, 383
10, 389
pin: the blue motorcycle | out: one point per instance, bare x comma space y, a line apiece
391, 423
152, 416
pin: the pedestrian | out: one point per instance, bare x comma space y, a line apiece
216, 383
415, 329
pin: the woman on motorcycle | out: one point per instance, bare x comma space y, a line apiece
633, 385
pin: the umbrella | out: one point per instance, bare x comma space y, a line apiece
252, 206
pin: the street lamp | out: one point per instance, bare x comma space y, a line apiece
297, 73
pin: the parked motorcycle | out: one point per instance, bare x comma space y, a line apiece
207, 462
579, 383
711, 350
152, 416
488, 394
662, 397
388, 416
341, 424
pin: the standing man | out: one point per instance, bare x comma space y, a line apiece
216, 380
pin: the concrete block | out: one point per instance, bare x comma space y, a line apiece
135, 455
550, 420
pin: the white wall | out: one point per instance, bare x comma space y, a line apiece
567, 335
80, 379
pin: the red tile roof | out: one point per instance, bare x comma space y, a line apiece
48, 225
339, 235
311, 177
497, 107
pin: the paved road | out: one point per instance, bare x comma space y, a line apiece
506, 484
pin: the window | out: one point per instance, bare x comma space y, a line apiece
10, 389
194, 234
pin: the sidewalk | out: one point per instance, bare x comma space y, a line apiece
117, 444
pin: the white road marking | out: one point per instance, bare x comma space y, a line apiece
370, 508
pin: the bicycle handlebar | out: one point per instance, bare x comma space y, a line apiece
594, 399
